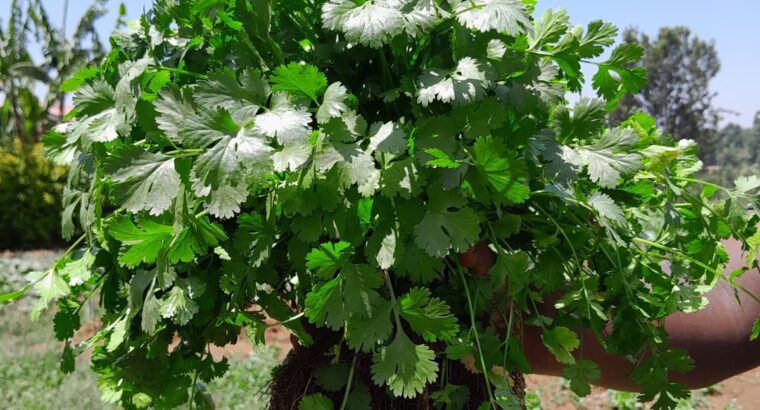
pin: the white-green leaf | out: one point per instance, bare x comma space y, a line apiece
387, 138
504, 16
242, 97
608, 160
465, 83
286, 123
333, 103
145, 181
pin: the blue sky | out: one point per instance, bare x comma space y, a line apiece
732, 24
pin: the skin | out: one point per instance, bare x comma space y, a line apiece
716, 337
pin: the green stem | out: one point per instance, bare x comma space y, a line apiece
393, 299
348, 383
473, 324
720, 275
181, 71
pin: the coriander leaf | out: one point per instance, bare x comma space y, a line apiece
502, 169
580, 374
387, 138
80, 77
549, 28
242, 99
629, 79
747, 185
333, 103
442, 160
66, 320
223, 172
608, 160
418, 266
404, 367
330, 257
91, 99
383, 246
504, 16
610, 214
315, 402
50, 286
561, 341
78, 270
468, 82
442, 229
360, 398
288, 124
324, 306
291, 157
118, 333
598, 35
178, 304
141, 243
374, 23
298, 80
359, 296
145, 181
401, 178
178, 120
587, 119
429, 317
355, 165
364, 334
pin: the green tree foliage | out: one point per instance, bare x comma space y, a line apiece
679, 69
327, 162
738, 152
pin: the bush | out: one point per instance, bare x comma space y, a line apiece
30, 195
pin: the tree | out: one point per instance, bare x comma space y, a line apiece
679, 68
738, 152
20, 110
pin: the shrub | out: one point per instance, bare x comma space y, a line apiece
30, 194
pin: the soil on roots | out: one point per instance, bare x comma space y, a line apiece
295, 378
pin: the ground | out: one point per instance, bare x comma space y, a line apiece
30, 379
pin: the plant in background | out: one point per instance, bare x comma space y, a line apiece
324, 164
30, 191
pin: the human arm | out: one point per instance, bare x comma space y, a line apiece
716, 337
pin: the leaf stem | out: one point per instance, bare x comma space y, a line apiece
348, 382
180, 71
471, 311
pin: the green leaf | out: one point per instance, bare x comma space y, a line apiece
242, 98
224, 172
387, 137
145, 181
442, 229
364, 334
80, 77
324, 306
179, 121
78, 270
502, 169
178, 304
330, 257
561, 341
298, 80
629, 79
66, 321
333, 377
315, 402
608, 158
333, 103
466, 83
359, 398
610, 214
404, 367
429, 317
755, 329
549, 28
141, 243
580, 374
442, 160
284, 121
